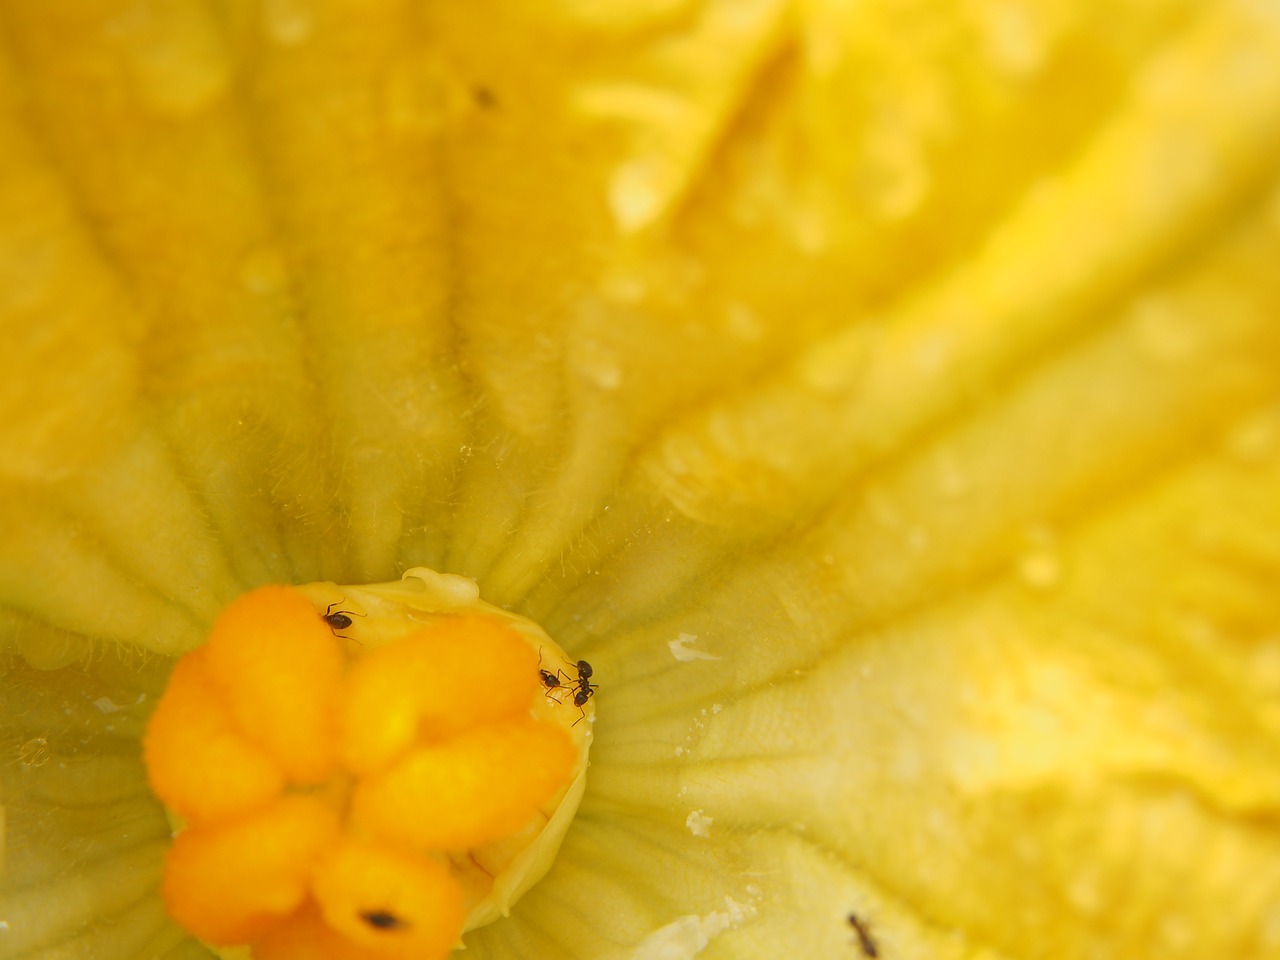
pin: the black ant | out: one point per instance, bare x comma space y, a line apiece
549, 679
338, 619
585, 690
864, 936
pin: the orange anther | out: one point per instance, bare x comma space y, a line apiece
231, 882
467, 791
388, 899
454, 674
197, 762
279, 667
324, 798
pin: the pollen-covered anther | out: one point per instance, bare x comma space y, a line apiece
338, 802
232, 882
456, 674
469, 790
280, 667
389, 900
197, 762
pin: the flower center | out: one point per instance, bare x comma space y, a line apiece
365, 771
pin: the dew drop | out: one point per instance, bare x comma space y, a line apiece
897, 172
835, 365
952, 480
177, 62
35, 752
810, 230
606, 376
1176, 931
1164, 331
1012, 40
743, 323
1253, 441
625, 288
1085, 895
683, 650
263, 271
598, 365
1270, 934
287, 22
1264, 666
636, 194
1040, 568
1273, 208
699, 823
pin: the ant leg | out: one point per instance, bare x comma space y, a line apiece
328, 611
551, 688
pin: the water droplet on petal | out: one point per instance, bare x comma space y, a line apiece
952, 480
175, 57
598, 364
1164, 331
1013, 40
699, 823
1040, 568
625, 287
1264, 666
35, 752
897, 171
1253, 441
636, 193
1176, 931
743, 323
1273, 208
810, 230
1085, 893
263, 271
288, 22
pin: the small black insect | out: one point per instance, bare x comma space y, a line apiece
586, 690
549, 680
865, 941
382, 920
338, 619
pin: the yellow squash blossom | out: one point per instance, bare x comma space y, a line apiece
883, 397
